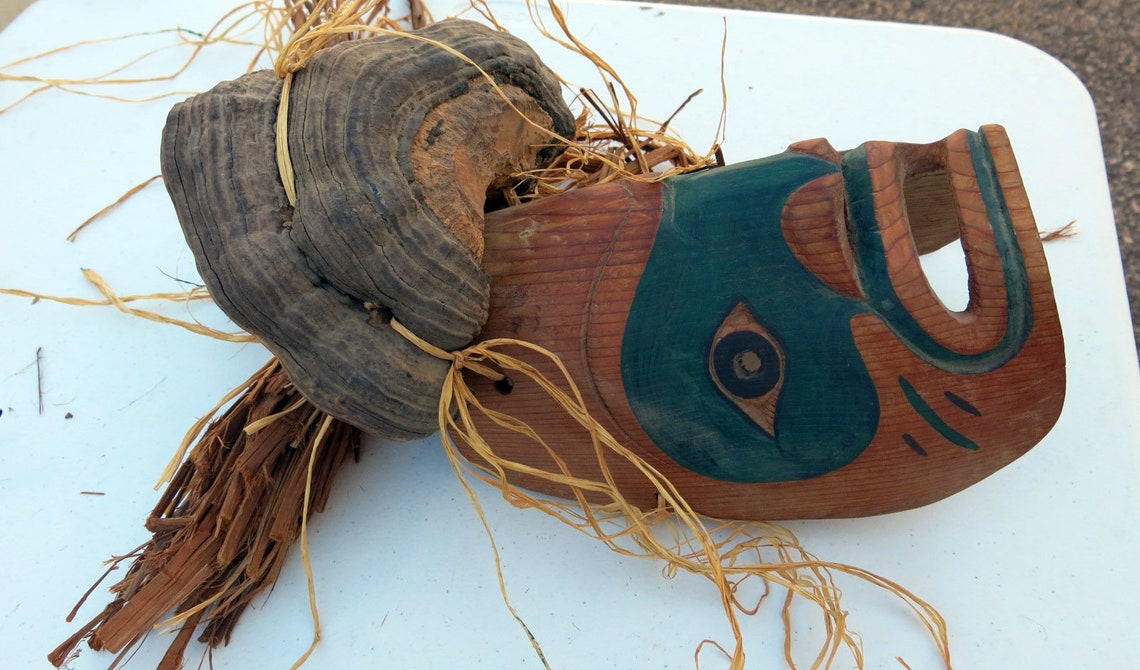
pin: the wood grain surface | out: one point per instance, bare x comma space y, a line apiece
958, 394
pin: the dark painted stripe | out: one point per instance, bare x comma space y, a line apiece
962, 404
913, 444
930, 416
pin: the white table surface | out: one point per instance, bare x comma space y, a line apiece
1033, 568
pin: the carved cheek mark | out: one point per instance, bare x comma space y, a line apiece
746, 364
934, 419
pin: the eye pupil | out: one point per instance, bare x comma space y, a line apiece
746, 364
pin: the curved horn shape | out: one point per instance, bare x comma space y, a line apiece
885, 201
395, 144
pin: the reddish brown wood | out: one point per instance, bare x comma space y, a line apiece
565, 271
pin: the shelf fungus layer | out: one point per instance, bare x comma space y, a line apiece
395, 143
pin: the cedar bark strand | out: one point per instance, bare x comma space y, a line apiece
223, 527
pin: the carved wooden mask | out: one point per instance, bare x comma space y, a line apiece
764, 334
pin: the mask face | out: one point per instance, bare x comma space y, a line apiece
777, 334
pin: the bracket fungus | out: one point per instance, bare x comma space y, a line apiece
395, 143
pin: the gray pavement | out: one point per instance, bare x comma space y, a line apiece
1097, 39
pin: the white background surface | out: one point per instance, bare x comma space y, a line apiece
1033, 568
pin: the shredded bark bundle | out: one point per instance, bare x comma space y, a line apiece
224, 525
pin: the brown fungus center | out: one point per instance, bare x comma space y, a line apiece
470, 147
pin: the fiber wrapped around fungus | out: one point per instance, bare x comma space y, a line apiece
395, 143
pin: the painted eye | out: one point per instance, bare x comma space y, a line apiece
746, 363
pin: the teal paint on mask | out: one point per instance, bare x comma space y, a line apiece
828, 408
720, 244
